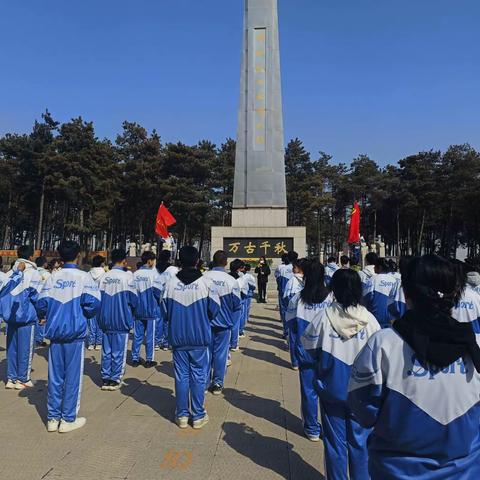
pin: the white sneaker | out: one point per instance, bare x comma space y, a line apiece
197, 424
23, 385
313, 438
98, 347
242, 335
182, 422
66, 427
236, 349
229, 362
52, 425
10, 385
295, 368
157, 348
117, 386
90, 347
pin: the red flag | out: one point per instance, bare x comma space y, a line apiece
164, 220
354, 233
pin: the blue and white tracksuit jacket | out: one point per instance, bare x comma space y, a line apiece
330, 269
239, 323
17, 304
398, 305
161, 327
69, 297
366, 276
425, 421
115, 319
149, 290
190, 310
331, 340
40, 329
95, 333
299, 316
283, 274
468, 310
294, 286
379, 296
228, 292
247, 285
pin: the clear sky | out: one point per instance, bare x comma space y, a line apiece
383, 77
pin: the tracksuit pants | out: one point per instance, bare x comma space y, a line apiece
20, 351
281, 307
39, 333
143, 330
190, 368
345, 443
309, 402
161, 333
114, 355
292, 346
236, 329
65, 375
218, 356
247, 303
94, 332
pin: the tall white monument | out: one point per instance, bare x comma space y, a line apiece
259, 216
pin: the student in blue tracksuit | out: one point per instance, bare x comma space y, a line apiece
283, 274
236, 271
330, 268
42, 264
115, 319
18, 310
398, 304
294, 286
467, 307
249, 286
334, 340
149, 290
305, 307
367, 274
417, 384
191, 305
95, 334
379, 293
67, 300
166, 271
228, 291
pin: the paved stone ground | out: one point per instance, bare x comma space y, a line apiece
255, 430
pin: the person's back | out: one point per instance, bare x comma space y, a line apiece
368, 272
418, 385
148, 284
330, 268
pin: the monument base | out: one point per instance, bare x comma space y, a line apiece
258, 232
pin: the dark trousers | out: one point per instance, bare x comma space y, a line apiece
262, 290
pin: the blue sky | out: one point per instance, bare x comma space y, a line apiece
383, 77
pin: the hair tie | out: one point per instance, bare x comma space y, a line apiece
440, 294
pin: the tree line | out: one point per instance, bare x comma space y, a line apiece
62, 180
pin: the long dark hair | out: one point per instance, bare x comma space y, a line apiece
432, 284
314, 290
347, 288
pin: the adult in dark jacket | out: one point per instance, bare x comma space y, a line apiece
263, 272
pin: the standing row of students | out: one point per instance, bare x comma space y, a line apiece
201, 317
412, 390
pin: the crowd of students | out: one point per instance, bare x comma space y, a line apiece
388, 361
199, 316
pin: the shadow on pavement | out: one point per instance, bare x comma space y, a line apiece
37, 396
273, 342
262, 331
166, 368
266, 408
272, 324
160, 399
268, 452
266, 357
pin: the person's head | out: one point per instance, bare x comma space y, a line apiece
164, 256
347, 287
54, 264
148, 259
262, 261
472, 264
139, 265
382, 266
353, 262
69, 251
331, 260
220, 259
371, 258
404, 263
247, 267
292, 256
314, 290
236, 265
300, 266
344, 261
285, 258
119, 257
99, 262
431, 284
25, 252
461, 272
40, 262
188, 256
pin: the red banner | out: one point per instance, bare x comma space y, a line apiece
164, 220
354, 233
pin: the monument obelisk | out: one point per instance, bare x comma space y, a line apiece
259, 215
